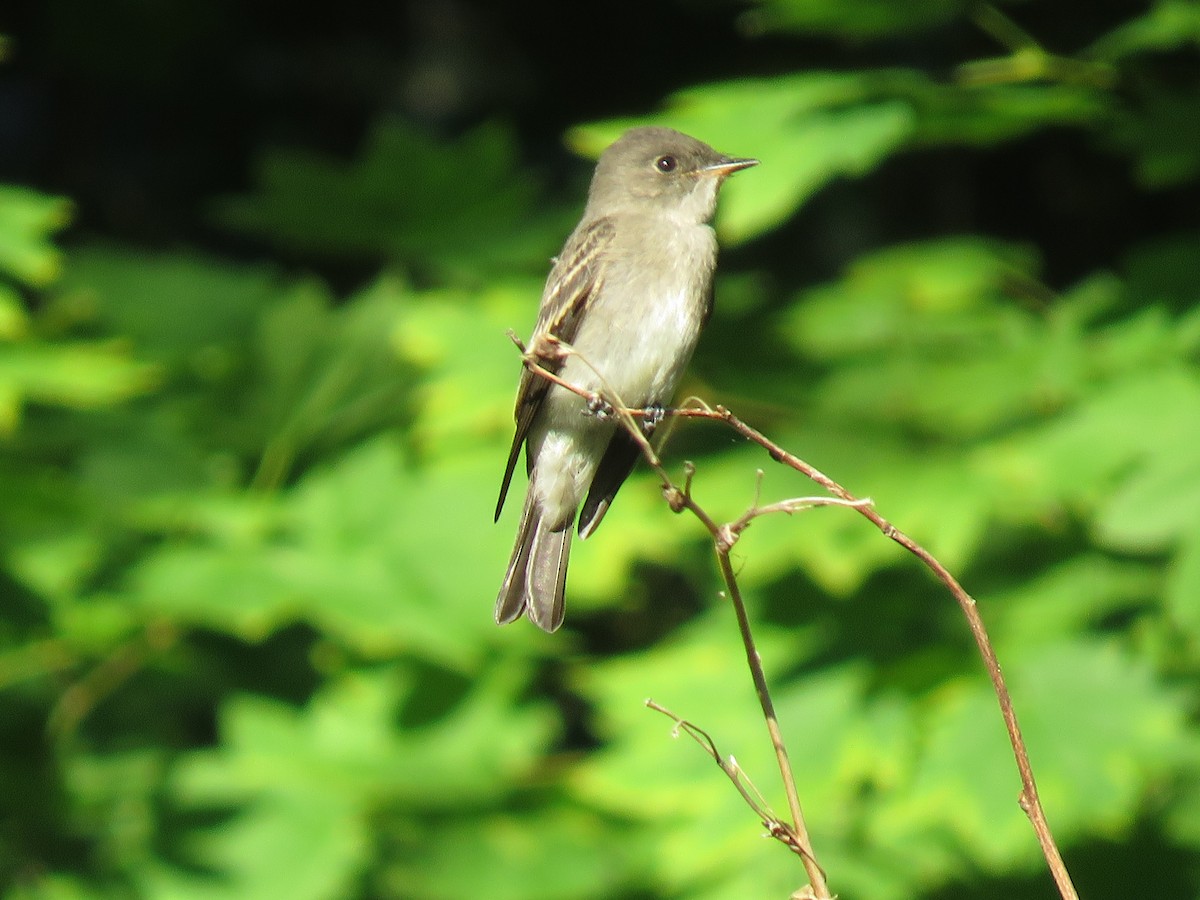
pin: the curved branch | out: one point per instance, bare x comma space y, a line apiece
725, 536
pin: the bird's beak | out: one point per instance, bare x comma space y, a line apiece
727, 167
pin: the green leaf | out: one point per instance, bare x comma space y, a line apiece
911, 294
1182, 595
857, 19
469, 366
182, 309
27, 219
452, 206
326, 377
81, 375
1162, 135
1081, 592
300, 787
368, 548
14, 321
1135, 426
985, 114
1125, 731
543, 854
1157, 502
1168, 25
701, 831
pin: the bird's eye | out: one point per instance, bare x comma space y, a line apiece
666, 164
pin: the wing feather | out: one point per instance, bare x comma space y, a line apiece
575, 279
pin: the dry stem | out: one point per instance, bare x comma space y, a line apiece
724, 536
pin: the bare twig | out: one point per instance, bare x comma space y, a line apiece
725, 536
776, 827
1029, 800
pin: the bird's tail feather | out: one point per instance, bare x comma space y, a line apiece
510, 603
537, 572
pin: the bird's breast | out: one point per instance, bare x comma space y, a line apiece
642, 327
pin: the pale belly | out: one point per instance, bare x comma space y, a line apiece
632, 347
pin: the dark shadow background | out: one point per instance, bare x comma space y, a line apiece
144, 112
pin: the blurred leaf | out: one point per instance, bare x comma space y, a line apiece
546, 854
327, 376
1133, 426
701, 826
986, 114
27, 219
14, 322
1182, 594
1157, 503
851, 20
79, 374
183, 309
118, 790
469, 366
368, 548
1126, 730
1163, 137
1182, 821
1083, 591
459, 206
305, 783
1168, 25
928, 293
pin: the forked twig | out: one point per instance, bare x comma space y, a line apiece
776, 827
725, 536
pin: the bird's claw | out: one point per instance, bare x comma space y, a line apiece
599, 407
653, 417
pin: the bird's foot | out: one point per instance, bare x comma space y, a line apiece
653, 418
599, 407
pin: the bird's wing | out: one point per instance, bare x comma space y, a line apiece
618, 461
573, 282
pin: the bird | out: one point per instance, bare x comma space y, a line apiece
629, 293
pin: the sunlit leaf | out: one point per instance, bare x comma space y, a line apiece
27, 219
299, 787
77, 374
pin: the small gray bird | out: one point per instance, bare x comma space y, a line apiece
630, 292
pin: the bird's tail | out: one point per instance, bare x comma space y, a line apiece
537, 573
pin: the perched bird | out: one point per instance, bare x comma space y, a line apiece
630, 292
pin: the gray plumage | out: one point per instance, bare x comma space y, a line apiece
630, 292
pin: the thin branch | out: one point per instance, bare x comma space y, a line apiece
790, 507
725, 536
776, 827
1029, 799
816, 875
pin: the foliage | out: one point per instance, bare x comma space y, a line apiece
247, 557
